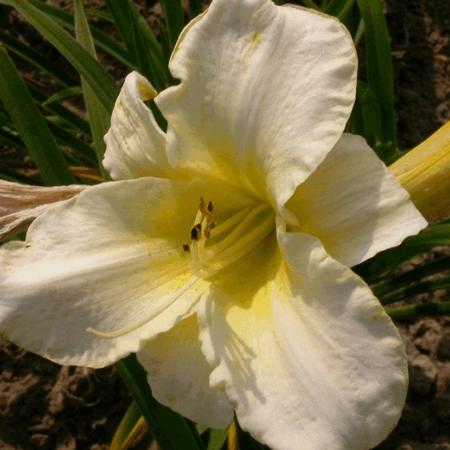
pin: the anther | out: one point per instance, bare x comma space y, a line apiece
210, 207
186, 248
196, 232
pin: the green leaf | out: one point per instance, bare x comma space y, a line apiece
81, 153
171, 431
174, 17
311, 4
97, 77
143, 47
390, 287
11, 139
338, 8
217, 439
71, 119
98, 115
31, 125
411, 312
63, 94
382, 265
37, 59
195, 8
379, 69
102, 40
130, 424
418, 288
366, 115
104, 15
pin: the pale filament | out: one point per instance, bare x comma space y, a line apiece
139, 323
248, 228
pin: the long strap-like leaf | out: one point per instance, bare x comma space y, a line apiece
31, 125
379, 69
96, 76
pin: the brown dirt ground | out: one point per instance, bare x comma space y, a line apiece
45, 406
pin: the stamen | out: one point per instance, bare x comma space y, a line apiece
129, 328
240, 229
241, 233
231, 221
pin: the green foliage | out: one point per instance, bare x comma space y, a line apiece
170, 430
31, 125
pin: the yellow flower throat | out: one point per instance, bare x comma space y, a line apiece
216, 246
213, 248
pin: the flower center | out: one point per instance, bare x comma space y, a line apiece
217, 245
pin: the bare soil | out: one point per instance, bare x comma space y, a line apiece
45, 406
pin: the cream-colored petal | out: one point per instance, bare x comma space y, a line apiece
310, 360
20, 204
135, 145
265, 93
178, 374
354, 205
108, 259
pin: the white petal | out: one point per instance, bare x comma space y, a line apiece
265, 94
354, 205
20, 204
311, 361
135, 145
108, 259
178, 374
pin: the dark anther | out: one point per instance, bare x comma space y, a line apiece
196, 232
210, 206
186, 248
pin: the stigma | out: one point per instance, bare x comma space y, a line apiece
216, 245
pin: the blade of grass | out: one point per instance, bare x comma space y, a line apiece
98, 115
411, 312
170, 430
379, 69
97, 77
31, 125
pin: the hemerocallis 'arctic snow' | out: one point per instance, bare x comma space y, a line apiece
221, 254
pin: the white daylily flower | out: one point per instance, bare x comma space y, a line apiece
243, 300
